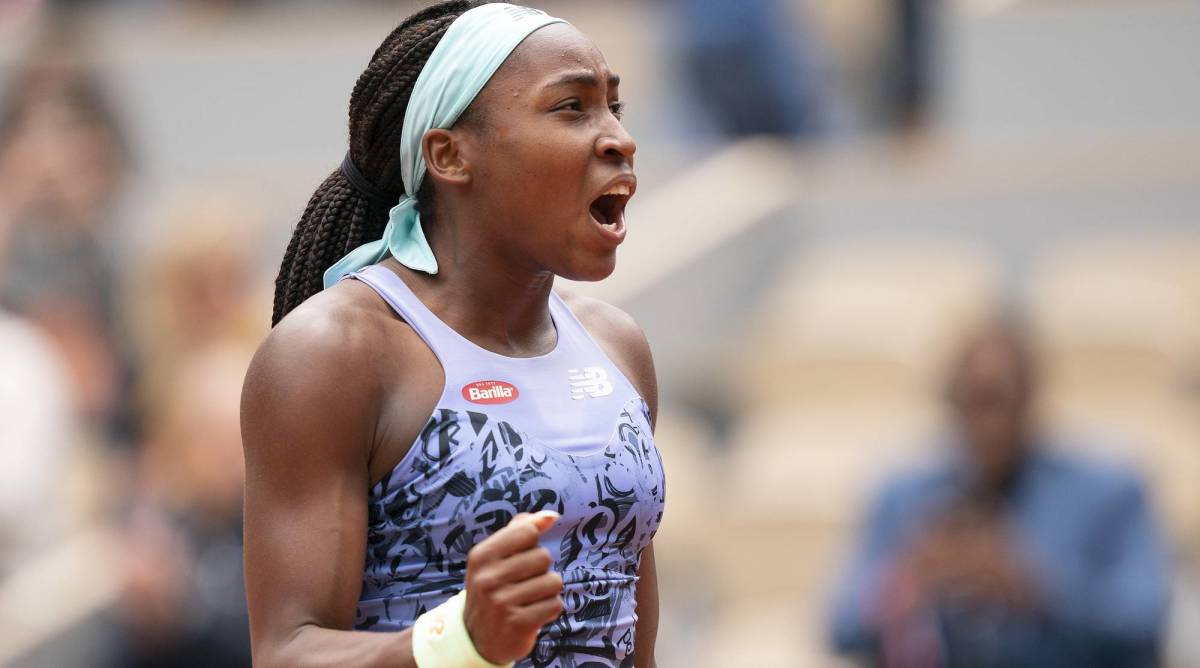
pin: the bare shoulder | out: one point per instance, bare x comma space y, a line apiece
331, 364
621, 338
605, 320
331, 335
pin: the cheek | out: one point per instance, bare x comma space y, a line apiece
556, 162
549, 151
543, 179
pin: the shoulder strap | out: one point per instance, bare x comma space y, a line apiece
436, 334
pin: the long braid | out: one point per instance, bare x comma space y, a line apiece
338, 217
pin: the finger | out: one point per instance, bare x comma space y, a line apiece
523, 565
520, 524
540, 613
544, 519
521, 533
532, 590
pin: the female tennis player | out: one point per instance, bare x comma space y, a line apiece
449, 464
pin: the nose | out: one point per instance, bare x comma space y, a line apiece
616, 143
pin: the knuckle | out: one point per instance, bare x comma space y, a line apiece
499, 599
514, 622
486, 581
477, 556
544, 559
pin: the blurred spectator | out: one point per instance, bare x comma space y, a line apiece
184, 603
197, 286
195, 324
35, 439
63, 162
753, 68
1005, 553
910, 69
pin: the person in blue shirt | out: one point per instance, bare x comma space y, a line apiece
1004, 552
751, 67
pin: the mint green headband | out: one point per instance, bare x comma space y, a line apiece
470, 52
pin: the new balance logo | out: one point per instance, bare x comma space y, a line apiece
589, 381
517, 12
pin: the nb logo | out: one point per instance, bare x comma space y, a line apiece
517, 12
589, 381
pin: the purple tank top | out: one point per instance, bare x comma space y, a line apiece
565, 431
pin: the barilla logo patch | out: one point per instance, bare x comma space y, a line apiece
490, 392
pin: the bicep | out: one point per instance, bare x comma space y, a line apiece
306, 441
647, 610
1127, 586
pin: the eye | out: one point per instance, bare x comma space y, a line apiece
617, 109
570, 105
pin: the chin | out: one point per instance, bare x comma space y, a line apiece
590, 269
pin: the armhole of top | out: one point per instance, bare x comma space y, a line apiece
405, 313
587, 336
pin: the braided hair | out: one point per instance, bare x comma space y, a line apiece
340, 217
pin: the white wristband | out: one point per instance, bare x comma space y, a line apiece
440, 638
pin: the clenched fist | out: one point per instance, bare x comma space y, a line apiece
511, 591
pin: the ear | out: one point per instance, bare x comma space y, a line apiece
444, 157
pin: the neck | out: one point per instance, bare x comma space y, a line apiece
489, 299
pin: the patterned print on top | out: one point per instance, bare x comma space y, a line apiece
564, 431
465, 478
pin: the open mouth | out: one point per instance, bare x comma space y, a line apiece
608, 210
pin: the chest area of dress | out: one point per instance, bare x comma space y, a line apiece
469, 473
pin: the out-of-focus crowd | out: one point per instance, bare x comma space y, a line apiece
123, 348
121, 357
120, 372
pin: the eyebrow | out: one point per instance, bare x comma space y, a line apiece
584, 77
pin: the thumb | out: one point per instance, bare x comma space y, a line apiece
544, 519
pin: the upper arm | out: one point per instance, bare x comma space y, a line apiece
1139, 586
1124, 596
308, 414
647, 610
1141, 565
861, 584
640, 363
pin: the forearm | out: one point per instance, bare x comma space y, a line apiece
311, 646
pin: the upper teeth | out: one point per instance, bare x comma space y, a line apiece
621, 189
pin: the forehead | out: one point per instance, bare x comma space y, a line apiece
550, 51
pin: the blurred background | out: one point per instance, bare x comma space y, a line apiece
922, 279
